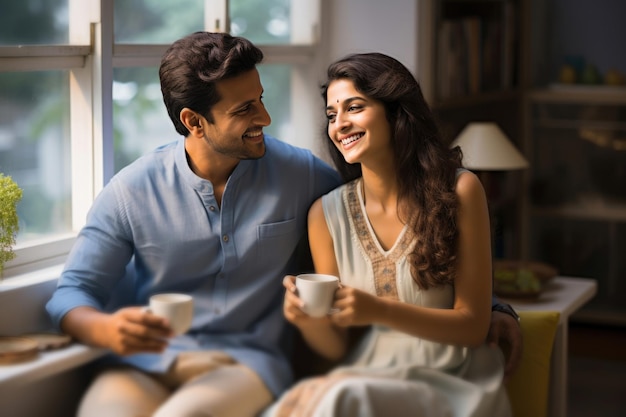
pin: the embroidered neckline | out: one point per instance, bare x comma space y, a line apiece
383, 262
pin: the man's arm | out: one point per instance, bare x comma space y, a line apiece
505, 332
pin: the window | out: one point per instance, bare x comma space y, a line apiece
80, 96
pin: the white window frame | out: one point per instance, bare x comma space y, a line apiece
91, 58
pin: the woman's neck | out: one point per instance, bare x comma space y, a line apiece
380, 189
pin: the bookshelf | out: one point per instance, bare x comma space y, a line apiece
476, 48
470, 68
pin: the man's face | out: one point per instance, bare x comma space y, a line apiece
239, 118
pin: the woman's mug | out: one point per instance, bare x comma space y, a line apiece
317, 291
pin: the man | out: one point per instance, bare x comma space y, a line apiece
218, 215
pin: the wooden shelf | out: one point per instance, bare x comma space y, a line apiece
616, 213
477, 99
583, 94
553, 123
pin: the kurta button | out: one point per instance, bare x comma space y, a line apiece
212, 208
225, 238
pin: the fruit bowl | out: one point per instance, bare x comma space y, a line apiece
520, 279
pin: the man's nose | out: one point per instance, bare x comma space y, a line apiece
263, 117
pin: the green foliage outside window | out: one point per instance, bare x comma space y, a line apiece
10, 195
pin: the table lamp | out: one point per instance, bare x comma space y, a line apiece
486, 148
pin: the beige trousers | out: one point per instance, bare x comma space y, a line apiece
199, 384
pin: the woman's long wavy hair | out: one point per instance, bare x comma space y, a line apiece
425, 167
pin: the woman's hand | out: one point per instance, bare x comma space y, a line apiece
320, 334
354, 307
292, 307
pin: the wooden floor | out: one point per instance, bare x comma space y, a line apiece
597, 371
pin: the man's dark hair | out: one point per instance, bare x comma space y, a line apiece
192, 66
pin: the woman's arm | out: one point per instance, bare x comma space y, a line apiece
320, 334
467, 322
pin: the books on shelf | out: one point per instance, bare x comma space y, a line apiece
476, 54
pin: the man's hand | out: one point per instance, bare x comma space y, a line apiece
505, 332
136, 330
127, 331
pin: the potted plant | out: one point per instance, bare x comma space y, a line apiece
10, 195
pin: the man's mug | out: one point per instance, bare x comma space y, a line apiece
176, 308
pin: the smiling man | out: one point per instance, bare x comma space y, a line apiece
216, 214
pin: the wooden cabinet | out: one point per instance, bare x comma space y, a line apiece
575, 207
577, 190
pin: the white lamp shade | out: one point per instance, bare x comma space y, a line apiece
486, 148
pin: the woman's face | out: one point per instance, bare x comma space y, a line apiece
356, 123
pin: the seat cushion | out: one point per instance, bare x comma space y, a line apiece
528, 387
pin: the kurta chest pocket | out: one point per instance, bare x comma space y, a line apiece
276, 230
279, 237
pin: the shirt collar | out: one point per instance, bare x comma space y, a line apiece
200, 184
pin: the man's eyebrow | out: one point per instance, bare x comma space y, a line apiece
239, 106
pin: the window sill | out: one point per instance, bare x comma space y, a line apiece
28, 294
48, 363
30, 279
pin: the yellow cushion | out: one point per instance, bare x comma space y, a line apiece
528, 387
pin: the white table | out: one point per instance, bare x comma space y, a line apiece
565, 295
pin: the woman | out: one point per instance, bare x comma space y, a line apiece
408, 236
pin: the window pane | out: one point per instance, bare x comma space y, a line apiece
276, 80
156, 21
34, 22
268, 22
261, 21
140, 121
275, 22
35, 149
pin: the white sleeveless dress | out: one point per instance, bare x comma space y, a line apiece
392, 374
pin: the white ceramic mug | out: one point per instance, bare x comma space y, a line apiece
176, 308
317, 291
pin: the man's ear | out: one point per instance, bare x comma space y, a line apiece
191, 120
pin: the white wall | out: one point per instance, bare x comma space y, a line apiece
386, 26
